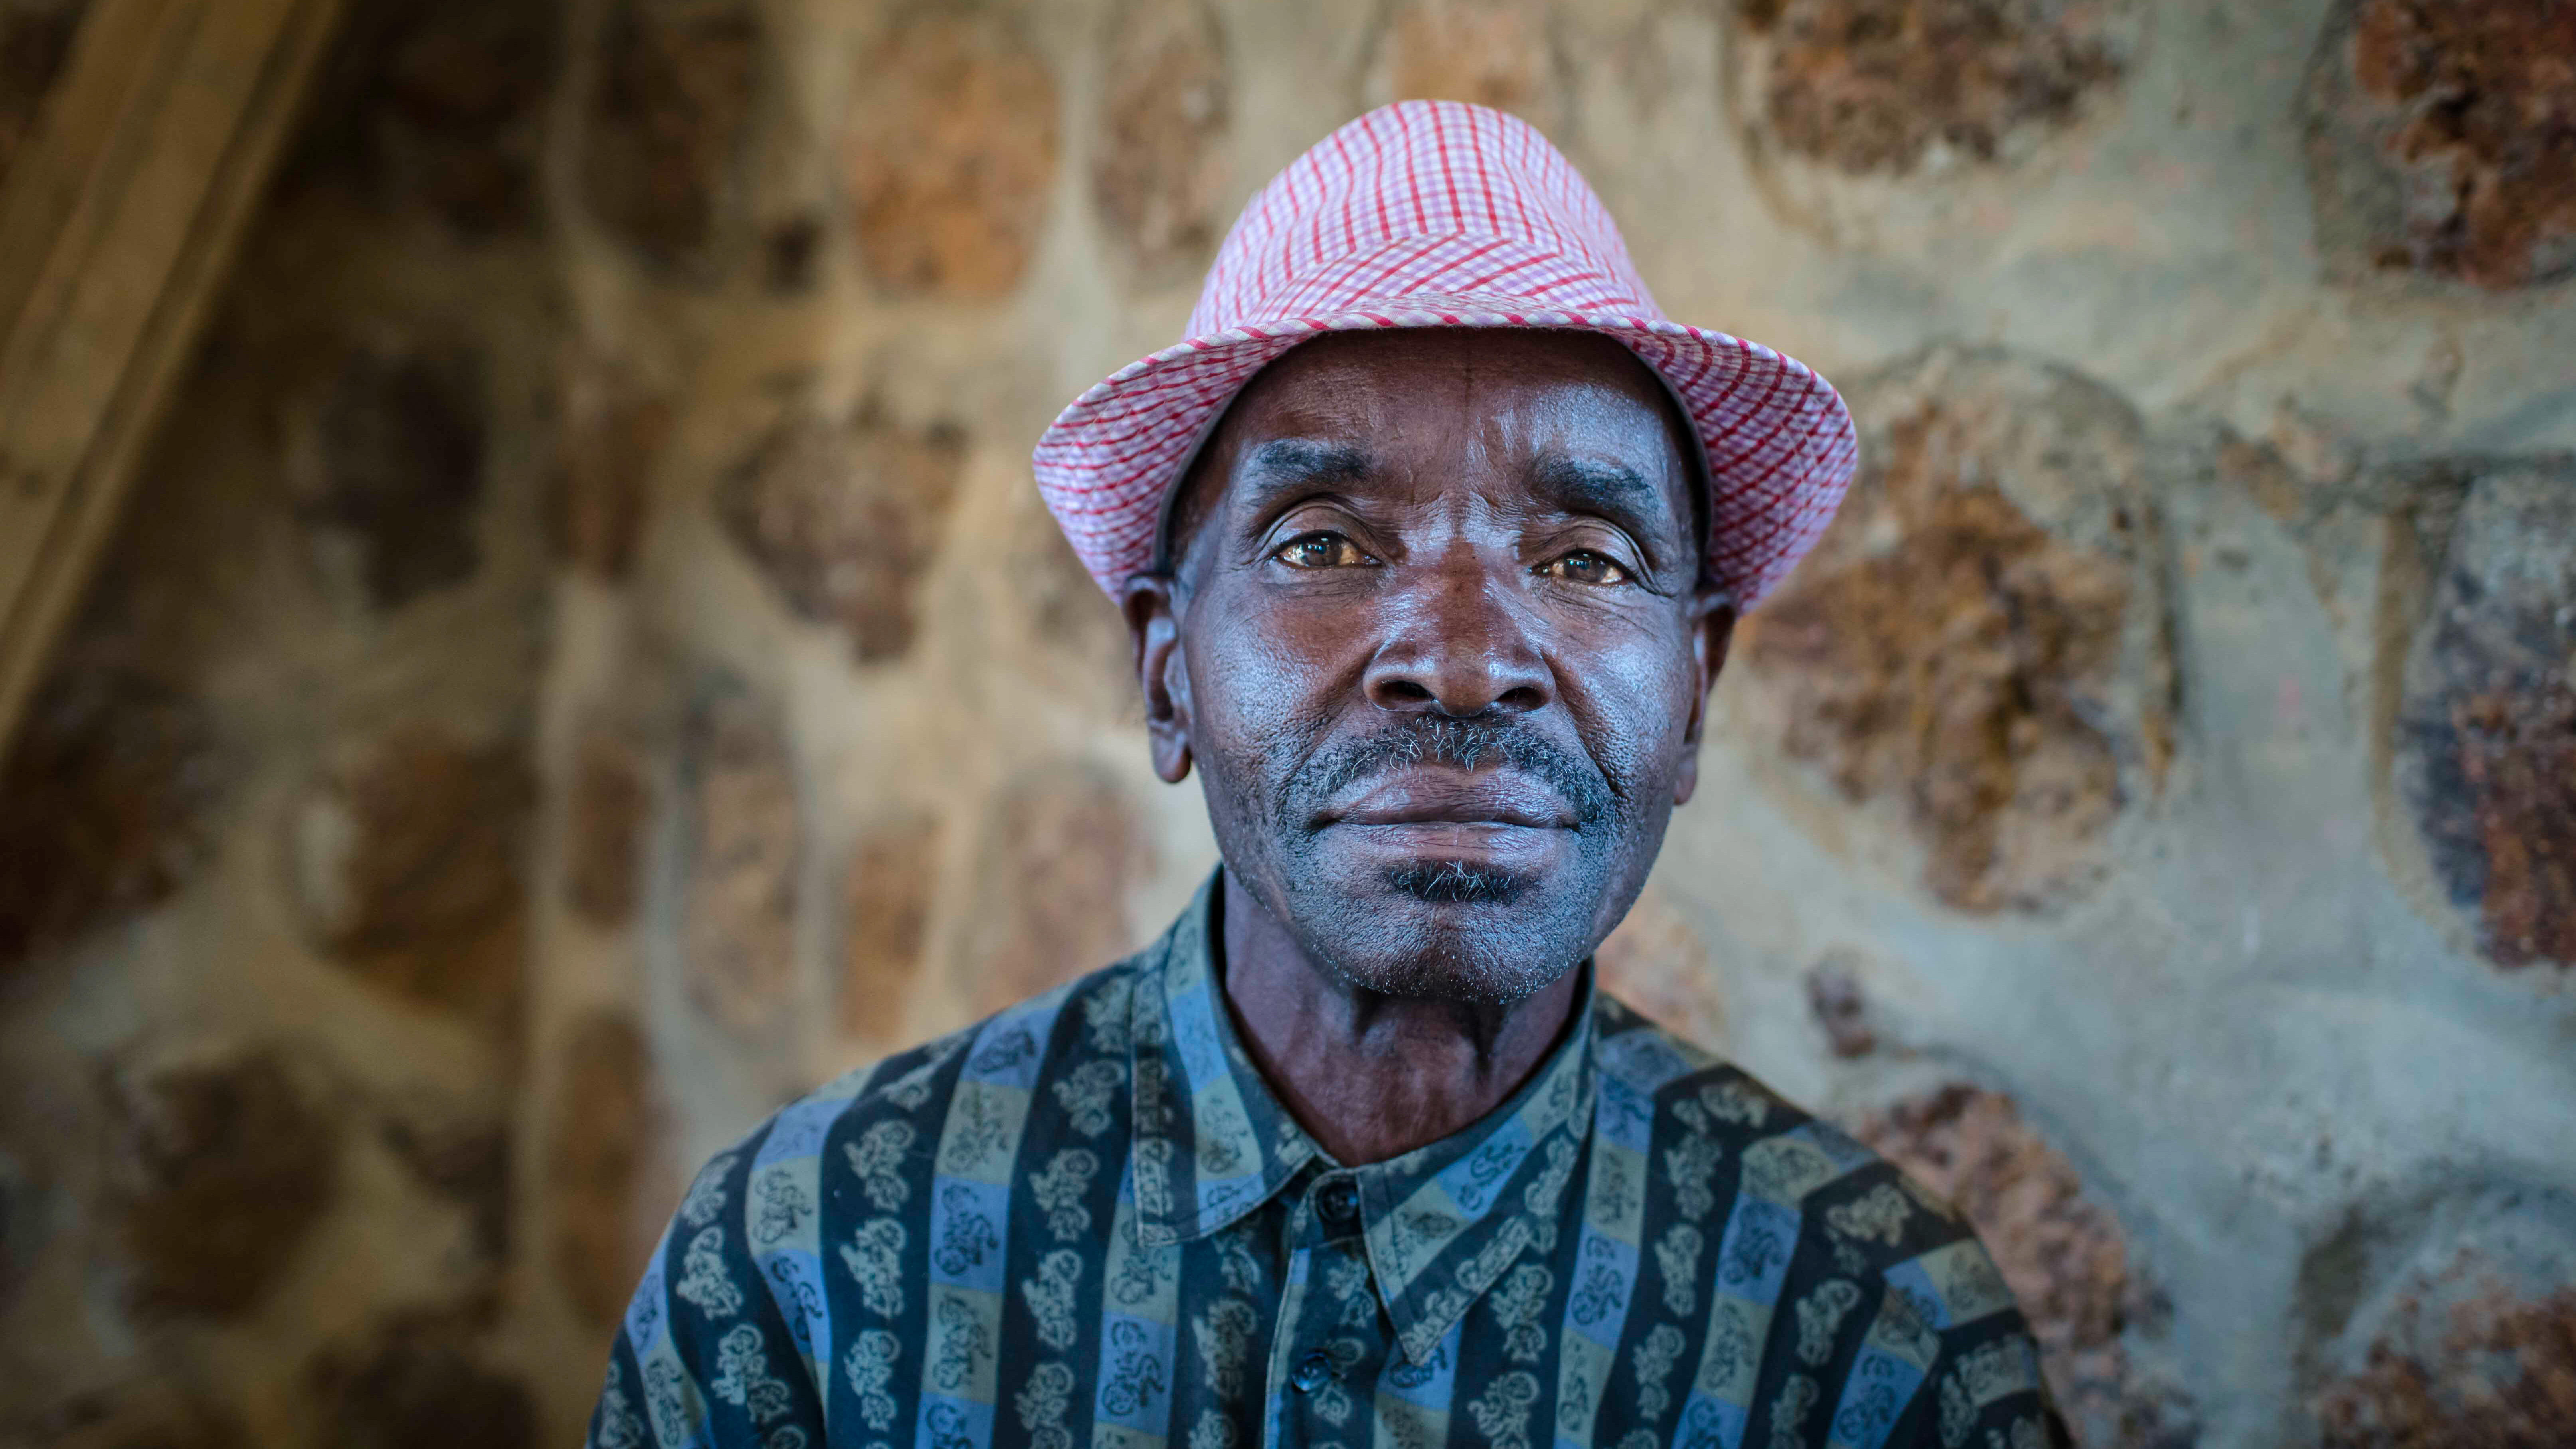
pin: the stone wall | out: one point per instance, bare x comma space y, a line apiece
586, 662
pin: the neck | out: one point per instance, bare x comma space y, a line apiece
1371, 1076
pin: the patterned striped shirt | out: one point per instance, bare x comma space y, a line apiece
1087, 1221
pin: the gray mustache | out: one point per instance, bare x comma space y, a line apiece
1464, 742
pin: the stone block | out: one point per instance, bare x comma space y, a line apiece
227, 1165
2442, 140
388, 467
151, 1415
603, 1133
605, 813
1979, 639
951, 155
738, 913
437, 104
464, 1158
668, 120
614, 429
789, 251
893, 874
106, 805
2485, 750
1062, 848
1883, 85
1160, 165
844, 519
1498, 53
2497, 1369
407, 862
2064, 1255
416, 1382
2449, 1326
35, 37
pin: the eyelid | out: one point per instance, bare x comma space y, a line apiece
1586, 522
1592, 534
1312, 514
1628, 573
1330, 510
1318, 535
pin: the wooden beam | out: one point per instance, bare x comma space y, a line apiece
118, 221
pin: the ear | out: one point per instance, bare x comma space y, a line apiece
1154, 631
1712, 626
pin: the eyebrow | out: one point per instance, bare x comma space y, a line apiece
1306, 460
1292, 465
1613, 490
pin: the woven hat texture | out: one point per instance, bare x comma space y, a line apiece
1440, 214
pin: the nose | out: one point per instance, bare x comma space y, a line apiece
1458, 647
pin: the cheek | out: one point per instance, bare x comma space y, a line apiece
1632, 704
1256, 690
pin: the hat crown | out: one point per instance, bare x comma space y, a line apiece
1422, 199
1437, 214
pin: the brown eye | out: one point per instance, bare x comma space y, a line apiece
1583, 566
1320, 551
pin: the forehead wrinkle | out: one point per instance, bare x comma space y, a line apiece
1591, 446
1331, 417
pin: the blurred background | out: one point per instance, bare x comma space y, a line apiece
581, 660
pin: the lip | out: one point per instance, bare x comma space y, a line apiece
1431, 795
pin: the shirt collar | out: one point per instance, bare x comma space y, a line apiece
1212, 1143
1442, 1222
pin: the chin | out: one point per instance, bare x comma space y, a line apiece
1449, 930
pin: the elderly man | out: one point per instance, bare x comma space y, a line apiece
1430, 538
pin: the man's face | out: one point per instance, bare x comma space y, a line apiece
1438, 644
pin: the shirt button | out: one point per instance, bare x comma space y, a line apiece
1339, 1203
1310, 1373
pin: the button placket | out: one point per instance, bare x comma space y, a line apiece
1287, 1329
1314, 1352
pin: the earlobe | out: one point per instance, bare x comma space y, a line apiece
1154, 633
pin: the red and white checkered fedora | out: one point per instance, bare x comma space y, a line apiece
1439, 214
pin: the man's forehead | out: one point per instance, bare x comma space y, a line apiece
1577, 478
1591, 424
1349, 377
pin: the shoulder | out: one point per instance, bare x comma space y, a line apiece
882, 1117
736, 1301
1699, 1091
866, 1145
1866, 1215
1878, 1284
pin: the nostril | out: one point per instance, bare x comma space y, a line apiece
1520, 699
1404, 691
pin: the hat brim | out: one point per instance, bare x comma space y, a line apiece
1778, 441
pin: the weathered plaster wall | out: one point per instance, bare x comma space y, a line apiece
586, 662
